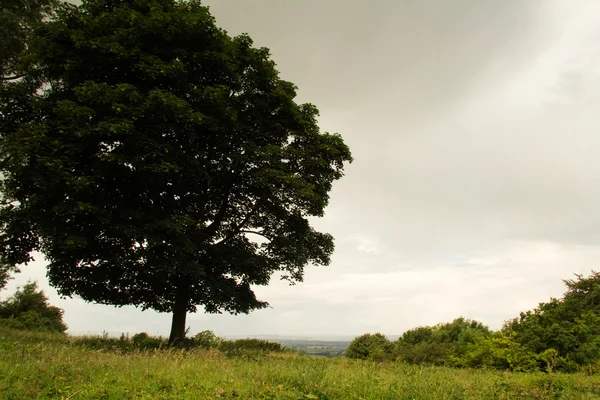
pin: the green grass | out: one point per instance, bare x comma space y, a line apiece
42, 366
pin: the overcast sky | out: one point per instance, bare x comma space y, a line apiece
476, 182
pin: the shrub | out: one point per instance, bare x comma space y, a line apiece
206, 340
429, 352
497, 351
243, 347
28, 309
146, 342
374, 347
441, 343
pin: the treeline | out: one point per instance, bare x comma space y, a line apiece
560, 335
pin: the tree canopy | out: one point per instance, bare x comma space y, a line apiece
162, 163
570, 325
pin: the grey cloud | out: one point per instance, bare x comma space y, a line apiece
474, 188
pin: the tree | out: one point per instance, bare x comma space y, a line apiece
29, 309
165, 164
569, 327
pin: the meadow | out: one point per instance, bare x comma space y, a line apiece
37, 365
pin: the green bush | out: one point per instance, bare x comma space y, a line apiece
497, 351
29, 309
146, 342
429, 352
373, 347
206, 340
249, 348
439, 344
104, 342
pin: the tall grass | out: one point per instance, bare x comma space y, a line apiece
41, 366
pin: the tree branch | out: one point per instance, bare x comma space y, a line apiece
239, 226
12, 78
257, 233
211, 229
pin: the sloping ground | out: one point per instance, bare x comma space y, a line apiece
39, 366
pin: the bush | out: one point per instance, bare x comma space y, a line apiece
28, 309
146, 342
249, 347
206, 340
429, 352
373, 347
104, 342
439, 344
497, 351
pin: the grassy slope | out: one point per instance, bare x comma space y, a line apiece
38, 366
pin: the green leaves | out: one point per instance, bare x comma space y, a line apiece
373, 347
17, 20
28, 309
570, 326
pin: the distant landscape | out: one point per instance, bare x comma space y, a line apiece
325, 348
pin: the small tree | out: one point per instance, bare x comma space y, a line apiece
28, 309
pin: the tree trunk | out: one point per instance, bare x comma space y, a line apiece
179, 314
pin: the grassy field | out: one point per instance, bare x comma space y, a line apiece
39, 366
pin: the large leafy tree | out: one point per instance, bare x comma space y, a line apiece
164, 164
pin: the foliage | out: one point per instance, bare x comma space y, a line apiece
17, 19
28, 309
207, 340
569, 326
374, 347
496, 351
163, 163
559, 335
5, 273
35, 366
144, 341
438, 344
255, 345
